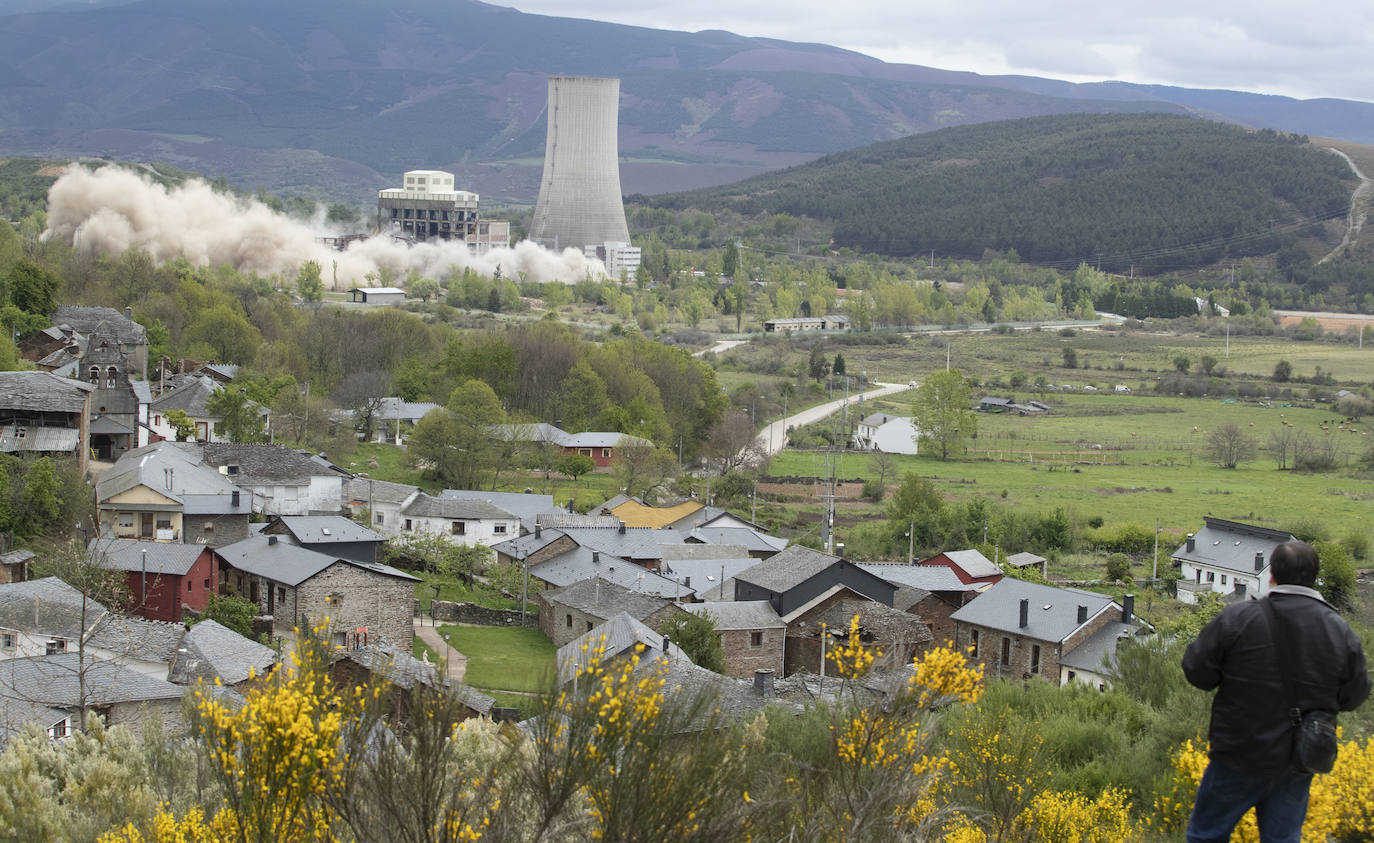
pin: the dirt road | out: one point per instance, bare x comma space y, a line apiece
774, 436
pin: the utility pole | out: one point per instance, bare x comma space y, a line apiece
1154, 570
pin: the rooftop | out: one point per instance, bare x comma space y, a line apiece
211, 651
42, 392
788, 568
744, 614
153, 557
604, 599
1053, 614
286, 562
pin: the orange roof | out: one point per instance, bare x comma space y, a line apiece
636, 514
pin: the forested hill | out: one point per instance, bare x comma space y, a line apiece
1156, 191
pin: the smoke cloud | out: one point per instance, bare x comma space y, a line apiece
113, 209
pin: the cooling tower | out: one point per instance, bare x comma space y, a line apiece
579, 196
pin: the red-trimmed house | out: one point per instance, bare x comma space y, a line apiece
969, 566
163, 579
599, 446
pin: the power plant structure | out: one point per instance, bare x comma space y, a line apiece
579, 203
428, 208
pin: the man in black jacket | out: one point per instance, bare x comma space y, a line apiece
1251, 732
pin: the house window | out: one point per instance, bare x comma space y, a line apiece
111, 376
59, 730
55, 646
459, 528
1006, 652
380, 518
126, 520
1072, 675
589, 626
756, 639
499, 529
1035, 658
231, 469
157, 419
1211, 576
339, 640
605, 452
7, 640
281, 594
1223, 579
973, 642
407, 525
188, 586
207, 583
164, 521
569, 621
586, 452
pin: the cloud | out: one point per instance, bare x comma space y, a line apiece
112, 210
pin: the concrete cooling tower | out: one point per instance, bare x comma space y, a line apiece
579, 196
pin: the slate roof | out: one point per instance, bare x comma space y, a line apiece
704, 574
381, 491
45, 689
198, 488
639, 543
260, 464
228, 371
42, 392
698, 552
290, 564
537, 432
405, 671
881, 622
211, 651
45, 606
1231, 545
1098, 653
927, 577
106, 320
603, 599
131, 555
132, 637
522, 546
616, 636
189, 398
576, 564
973, 563
1053, 611
526, 507
787, 569
566, 520
744, 614
878, 419
755, 541
107, 425
426, 506
1024, 559
600, 439
325, 529
398, 409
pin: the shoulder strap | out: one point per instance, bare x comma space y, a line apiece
1283, 651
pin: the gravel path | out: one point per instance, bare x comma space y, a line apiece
457, 662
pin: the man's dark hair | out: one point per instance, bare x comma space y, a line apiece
1294, 563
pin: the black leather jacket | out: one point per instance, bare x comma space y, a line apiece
1250, 729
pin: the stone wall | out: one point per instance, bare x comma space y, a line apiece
743, 657
135, 716
353, 597
1021, 649
449, 612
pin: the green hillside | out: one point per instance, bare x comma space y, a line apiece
1145, 190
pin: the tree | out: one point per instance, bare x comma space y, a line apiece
1335, 574
1354, 406
838, 366
309, 284
1070, 358
698, 638
1283, 370
1283, 443
732, 442
425, 289
1118, 567
816, 365
32, 289
941, 411
1182, 363
239, 418
429, 445
882, 464
916, 507
232, 612
575, 465
639, 467
730, 260
1208, 364
1229, 446
362, 392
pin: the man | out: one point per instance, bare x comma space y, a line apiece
1251, 732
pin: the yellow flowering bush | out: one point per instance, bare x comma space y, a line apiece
1055, 817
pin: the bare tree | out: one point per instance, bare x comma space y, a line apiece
1229, 446
639, 467
732, 443
362, 392
1283, 445
882, 464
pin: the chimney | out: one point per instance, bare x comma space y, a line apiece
687, 581
1025, 613
537, 530
1082, 614
128, 313
1192, 543
666, 641
763, 682
271, 540
596, 557
1259, 560
234, 498
1127, 608
622, 528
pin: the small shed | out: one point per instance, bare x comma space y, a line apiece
377, 295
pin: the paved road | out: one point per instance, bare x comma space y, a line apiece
720, 347
457, 662
774, 436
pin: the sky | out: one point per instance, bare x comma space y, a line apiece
1262, 46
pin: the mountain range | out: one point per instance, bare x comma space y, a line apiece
338, 98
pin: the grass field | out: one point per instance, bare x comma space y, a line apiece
503, 658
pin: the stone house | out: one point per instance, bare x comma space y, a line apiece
47, 691
212, 652
191, 399
119, 405
42, 413
815, 629
752, 636
932, 593
616, 638
299, 587
354, 666
568, 612
162, 493
1020, 629
461, 521
534, 548
119, 327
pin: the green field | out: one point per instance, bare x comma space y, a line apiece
503, 658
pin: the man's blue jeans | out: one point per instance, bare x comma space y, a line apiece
1223, 797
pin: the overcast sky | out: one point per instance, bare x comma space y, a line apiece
1263, 46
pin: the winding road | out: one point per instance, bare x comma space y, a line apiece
773, 438
1358, 209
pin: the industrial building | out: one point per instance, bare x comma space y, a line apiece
428, 208
579, 202
620, 259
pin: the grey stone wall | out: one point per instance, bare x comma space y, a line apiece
742, 658
1022, 649
136, 716
225, 529
352, 597
450, 612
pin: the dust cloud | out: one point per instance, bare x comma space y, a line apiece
112, 210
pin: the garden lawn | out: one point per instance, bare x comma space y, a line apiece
504, 658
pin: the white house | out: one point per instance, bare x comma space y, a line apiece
1227, 558
190, 399
461, 521
887, 433
282, 481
